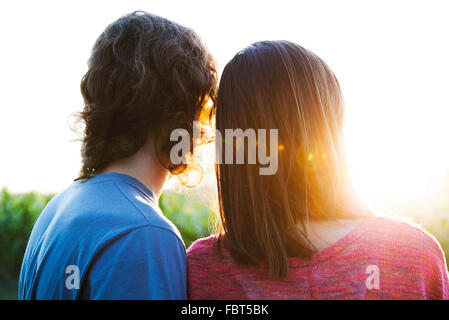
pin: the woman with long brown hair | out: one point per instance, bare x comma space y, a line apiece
300, 233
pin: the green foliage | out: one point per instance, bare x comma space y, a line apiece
8, 289
17, 216
188, 213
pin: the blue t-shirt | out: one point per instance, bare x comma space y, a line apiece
104, 238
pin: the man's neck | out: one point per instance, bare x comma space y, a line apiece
145, 167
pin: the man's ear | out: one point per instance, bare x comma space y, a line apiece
159, 147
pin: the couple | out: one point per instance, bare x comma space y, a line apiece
299, 233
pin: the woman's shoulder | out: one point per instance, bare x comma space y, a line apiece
206, 257
401, 234
402, 227
203, 246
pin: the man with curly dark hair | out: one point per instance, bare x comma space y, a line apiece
104, 237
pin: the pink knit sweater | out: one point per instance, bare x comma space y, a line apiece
381, 259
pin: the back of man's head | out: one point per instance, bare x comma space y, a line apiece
147, 76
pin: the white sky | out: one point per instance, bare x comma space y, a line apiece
391, 58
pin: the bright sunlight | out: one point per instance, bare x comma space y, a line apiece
389, 58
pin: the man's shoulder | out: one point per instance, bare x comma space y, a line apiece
106, 208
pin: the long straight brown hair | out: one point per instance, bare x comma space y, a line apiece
280, 85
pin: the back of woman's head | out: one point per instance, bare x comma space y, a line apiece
147, 75
280, 85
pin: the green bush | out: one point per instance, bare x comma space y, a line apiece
17, 216
188, 213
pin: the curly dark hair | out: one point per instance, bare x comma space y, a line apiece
146, 75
